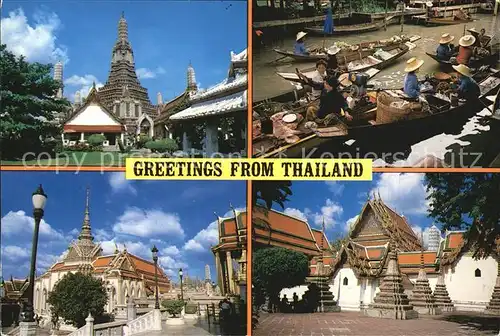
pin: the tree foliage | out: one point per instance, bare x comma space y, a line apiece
276, 268
470, 202
29, 104
75, 296
173, 307
96, 139
162, 145
265, 193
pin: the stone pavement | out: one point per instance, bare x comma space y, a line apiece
355, 324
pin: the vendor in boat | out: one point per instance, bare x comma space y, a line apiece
300, 48
318, 78
467, 87
411, 84
466, 49
430, 10
331, 102
332, 65
445, 49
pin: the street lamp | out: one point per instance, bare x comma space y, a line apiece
182, 291
154, 250
39, 199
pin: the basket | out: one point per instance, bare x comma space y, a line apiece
388, 114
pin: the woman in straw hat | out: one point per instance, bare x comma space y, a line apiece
411, 84
467, 87
300, 48
445, 50
465, 51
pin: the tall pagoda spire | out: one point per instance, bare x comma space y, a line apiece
86, 232
191, 79
122, 28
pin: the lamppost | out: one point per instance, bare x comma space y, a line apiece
39, 199
154, 250
182, 290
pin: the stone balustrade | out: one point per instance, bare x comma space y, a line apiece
147, 322
87, 329
110, 329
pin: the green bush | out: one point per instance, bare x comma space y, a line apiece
173, 307
96, 139
143, 139
191, 308
161, 146
83, 147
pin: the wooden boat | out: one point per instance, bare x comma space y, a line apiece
496, 107
486, 39
364, 46
365, 58
346, 29
364, 126
446, 21
473, 63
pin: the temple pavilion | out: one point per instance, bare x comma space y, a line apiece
355, 271
124, 274
219, 111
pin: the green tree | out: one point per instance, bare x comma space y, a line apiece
27, 93
265, 193
468, 201
173, 307
162, 145
276, 268
96, 139
75, 296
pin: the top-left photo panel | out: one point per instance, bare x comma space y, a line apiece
91, 83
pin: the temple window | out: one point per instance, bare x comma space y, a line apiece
345, 282
137, 110
477, 273
127, 109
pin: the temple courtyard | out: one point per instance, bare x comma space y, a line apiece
355, 323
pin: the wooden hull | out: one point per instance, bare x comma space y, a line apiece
381, 65
445, 22
476, 63
300, 58
496, 108
345, 29
383, 131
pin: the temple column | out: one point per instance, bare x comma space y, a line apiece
186, 142
229, 263
120, 292
211, 136
82, 137
122, 138
218, 268
62, 137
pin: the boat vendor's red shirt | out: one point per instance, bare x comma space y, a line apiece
464, 54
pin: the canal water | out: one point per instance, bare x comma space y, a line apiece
464, 143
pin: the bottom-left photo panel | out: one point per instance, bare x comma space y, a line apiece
95, 254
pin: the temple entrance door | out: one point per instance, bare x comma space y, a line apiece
145, 127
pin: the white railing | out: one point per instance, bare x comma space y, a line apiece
87, 329
147, 322
110, 329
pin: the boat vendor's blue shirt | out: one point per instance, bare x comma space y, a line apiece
411, 85
468, 88
443, 52
300, 49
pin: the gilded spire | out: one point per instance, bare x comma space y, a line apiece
122, 28
86, 233
191, 78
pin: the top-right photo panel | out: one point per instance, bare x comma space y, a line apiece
405, 83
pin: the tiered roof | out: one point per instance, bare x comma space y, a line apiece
232, 232
228, 96
15, 289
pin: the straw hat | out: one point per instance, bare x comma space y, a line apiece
290, 118
344, 79
467, 40
413, 64
428, 4
463, 69
300, 35
446, 38
333, 50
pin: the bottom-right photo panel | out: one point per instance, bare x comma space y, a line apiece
357, 258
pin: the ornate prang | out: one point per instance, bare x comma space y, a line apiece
493, 307
421, 298
441, 295
392, 302
86, 232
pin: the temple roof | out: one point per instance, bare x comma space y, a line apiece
228, 84
15, 289
236, 102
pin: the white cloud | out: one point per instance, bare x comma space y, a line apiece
171, 251
350, 222
15, 252
418, 231
148, 223
403, 192
167, 262
203, 239
330, 213
37, 42
335, 187
81, 84
145, 73
296, 213
18, 223
119, 183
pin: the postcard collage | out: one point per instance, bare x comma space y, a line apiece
250, 167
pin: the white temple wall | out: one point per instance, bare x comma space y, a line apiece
478, 288
431, 277
347, 289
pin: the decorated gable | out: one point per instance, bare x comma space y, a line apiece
93, 115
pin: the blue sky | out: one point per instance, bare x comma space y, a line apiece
165, 37
177, 216
339, 203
